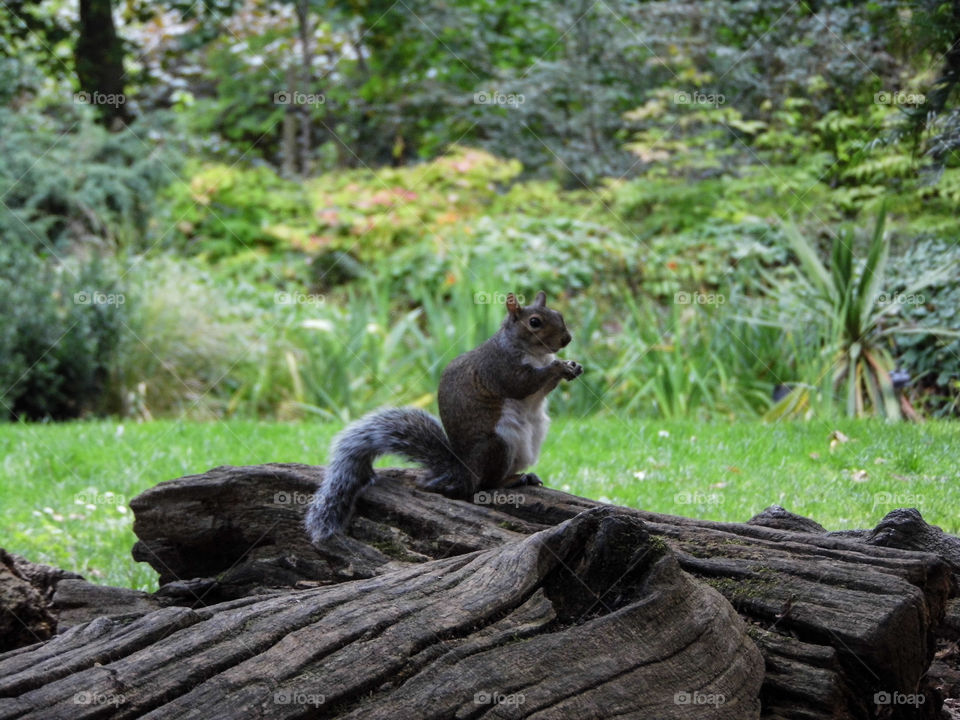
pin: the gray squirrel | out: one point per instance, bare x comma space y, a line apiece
493, 410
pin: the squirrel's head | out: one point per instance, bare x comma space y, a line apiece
540, 329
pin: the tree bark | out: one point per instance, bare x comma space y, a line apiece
535, 604
289, 137
25, 616
98, 55
305, 30
590, 619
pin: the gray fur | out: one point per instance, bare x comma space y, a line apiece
492, 403
411, 433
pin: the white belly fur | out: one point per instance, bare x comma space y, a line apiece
523, 424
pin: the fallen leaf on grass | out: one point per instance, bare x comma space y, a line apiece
836, 438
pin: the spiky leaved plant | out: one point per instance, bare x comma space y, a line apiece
857, 328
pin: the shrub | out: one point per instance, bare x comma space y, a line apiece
189, 342
933, 361
235, 211
846, 306
68, 182
560, 255
227, 210
59, 339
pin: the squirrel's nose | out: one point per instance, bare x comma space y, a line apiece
565, 339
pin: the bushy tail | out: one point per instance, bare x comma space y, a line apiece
411, 433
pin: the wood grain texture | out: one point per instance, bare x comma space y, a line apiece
526, 603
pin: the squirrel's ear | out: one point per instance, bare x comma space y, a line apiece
541, 299
513, 307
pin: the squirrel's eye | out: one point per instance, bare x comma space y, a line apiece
535, 322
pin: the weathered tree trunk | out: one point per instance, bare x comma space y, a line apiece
289, 136
536, 604
590, 619
24, 614
98, 55
305, 31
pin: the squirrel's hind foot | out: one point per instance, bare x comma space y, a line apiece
446, 484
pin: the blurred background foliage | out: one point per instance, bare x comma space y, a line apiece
308, 208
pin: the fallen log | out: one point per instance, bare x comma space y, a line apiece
847, 623
590, 619
24, 613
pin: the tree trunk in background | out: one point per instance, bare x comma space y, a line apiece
98, 55
306, 81
290, 128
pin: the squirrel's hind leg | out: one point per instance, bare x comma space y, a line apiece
450, 484
485, 469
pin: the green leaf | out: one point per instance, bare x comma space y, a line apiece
807, 254
854, 401
879, 375
873, 274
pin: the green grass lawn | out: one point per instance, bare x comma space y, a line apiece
64, 488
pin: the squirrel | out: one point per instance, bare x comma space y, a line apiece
492, 403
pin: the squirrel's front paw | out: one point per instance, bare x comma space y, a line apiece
571, 369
